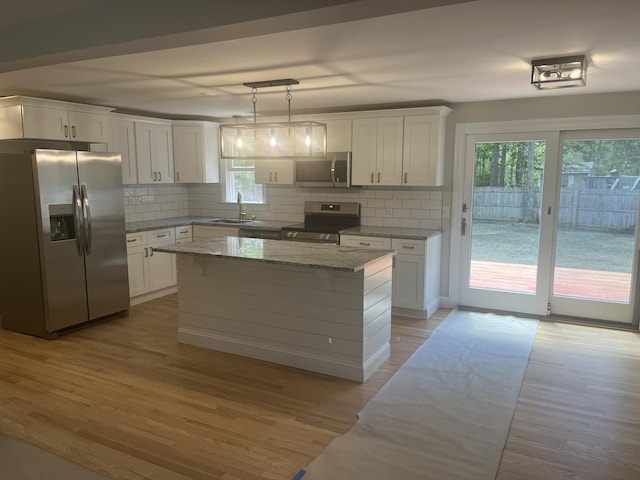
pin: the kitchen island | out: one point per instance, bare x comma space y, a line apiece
318, 307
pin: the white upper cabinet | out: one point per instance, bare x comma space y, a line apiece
275, 171
338, 135
196, 153
423, 156
377, 151
405, 150
154, 152
26, 117
123, 141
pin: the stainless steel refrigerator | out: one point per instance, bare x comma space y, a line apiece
63, 254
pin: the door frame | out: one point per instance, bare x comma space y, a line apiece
463, 130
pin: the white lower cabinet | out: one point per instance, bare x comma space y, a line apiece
416, 272
209, 231
151, 274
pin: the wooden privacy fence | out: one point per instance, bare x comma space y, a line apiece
614, 210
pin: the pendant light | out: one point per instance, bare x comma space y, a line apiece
303, 139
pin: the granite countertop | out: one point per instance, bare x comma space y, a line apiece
392, 232
301, 254
133, 227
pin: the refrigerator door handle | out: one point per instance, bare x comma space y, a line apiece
77, 219
87, 220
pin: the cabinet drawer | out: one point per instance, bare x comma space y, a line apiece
408, 247
365, 242
166, 236
136, 239
183, 232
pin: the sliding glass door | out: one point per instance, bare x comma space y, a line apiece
549, 223
596, 225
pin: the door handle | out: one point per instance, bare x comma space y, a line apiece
88, 226
77, 219
464, 226
333, 172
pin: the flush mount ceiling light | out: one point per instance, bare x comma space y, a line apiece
273, 140
560, 72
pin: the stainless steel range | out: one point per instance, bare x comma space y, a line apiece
323, 222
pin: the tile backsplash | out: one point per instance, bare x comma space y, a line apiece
152, 202
409, 207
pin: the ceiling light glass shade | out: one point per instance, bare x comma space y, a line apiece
561, 72
274, 140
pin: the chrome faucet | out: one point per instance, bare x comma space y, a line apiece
241, 214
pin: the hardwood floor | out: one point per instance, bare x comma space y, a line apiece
124, 399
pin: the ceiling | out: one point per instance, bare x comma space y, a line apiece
190, 58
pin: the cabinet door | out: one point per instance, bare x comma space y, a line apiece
45, 123
89, 127
278, 171
162, 268
408, 282
138, 270
188, 154
144, 148
123, 141
421, 162
389, 154
163, 158
339, 135
364, 155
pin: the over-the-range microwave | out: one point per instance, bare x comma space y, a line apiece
333, 171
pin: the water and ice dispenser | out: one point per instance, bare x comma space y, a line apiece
61, 222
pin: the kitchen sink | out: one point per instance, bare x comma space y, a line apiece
230, 220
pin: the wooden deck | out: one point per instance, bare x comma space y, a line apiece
571, 282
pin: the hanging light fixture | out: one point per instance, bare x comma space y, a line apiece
304, 139
561, 72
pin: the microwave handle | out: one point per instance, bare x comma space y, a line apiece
333, 172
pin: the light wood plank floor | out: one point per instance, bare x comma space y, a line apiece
124, 399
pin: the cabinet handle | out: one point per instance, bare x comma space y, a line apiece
155, 176
378, 177
131, 240
371, 177
161, 235
178, 176
151, 253
406, 175
73, 131
409, 247
146, 252
270, 176
365, 244
276, 177
66, 131
159, 176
